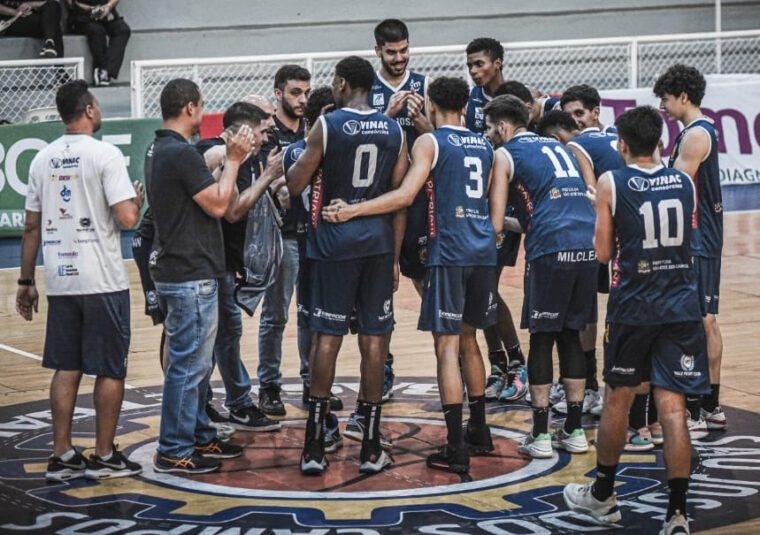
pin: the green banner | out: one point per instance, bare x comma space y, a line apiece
19, 144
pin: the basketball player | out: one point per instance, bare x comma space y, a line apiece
583, 103
485, 58
681, 90
561, 267
465, 211
653, 313
537, 106
353, 263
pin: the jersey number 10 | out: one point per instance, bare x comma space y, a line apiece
651, 241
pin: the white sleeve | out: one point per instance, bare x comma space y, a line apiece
33, 202
117, 186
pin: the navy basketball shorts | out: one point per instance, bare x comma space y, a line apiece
303, 288
560, 292
671, 355
708, 282
455, 294
141, 247
88, 333
508, 248
414, 246
339, 287
603, 283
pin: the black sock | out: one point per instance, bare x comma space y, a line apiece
318, 408
498, 358
605, 482
652, 412
677, 501
516, 357
574, 412
710, 402
591, 382
453, 415
540, 420
389, 358
478, 411
693, 405
370, 415
637, 416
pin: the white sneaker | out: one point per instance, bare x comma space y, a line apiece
697, 428
579, 499
655, 431
376, 463
639, 440
539, 447
593, 403
575, 442
715, 419
557, 394
678, 524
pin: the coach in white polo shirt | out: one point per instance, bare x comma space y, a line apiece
78, 195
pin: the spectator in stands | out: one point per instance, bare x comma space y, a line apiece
107, 35
40, 19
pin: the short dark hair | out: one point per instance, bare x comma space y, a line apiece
508, 108
72, 99
243, 112
641, 129
515, 88
556, 119
680, 79
358, 72
450, 94
490, 46
177, 94
287, 73
318, 99
587, 95
391, 31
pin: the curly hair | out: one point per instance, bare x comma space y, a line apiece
680, 79
450, 94
491, 47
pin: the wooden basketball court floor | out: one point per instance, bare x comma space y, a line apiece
23, 380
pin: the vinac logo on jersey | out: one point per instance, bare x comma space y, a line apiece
455, 140
353, 127
296, 154
637, 183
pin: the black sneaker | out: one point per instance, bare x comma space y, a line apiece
270, 402
313, 460
252, 419
214, 415
450, 460
195, 464
216, 449
48, 49
336, 404
60, 470
117, 466
478, 439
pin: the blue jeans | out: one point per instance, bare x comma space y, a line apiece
192, 313
274, 316
237, 382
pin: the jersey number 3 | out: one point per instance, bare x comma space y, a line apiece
474, 187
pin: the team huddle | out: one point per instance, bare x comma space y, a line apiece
388, 173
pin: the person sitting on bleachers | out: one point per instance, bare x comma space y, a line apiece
107, 35
40, 19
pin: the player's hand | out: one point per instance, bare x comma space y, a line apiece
140, 190
240, 145
395, 276
338, 211
27, 300
396, 103
279, 183
274, 160
414, 104
283, 196
25, 9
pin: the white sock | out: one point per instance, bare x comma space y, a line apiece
107, 457
66, 457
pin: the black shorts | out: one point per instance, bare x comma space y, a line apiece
88, 333
560, 292
303, 286
603, 282
708, 283
364, 284
414, 246
508, 249
671, 355
455, 294
141, 247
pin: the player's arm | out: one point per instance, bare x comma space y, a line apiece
27, 298
498, 191
695, 147
423, 152
399, 217
300, 174
273, 172
585, 165
604, 234
502, 170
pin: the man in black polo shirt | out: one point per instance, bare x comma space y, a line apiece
186, 262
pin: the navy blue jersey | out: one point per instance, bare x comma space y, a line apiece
360, 149
474, 118
600, 148
300, 206
549, 104
550, 193
381, 95
653, 281
611, 129
707, 240
460, 232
